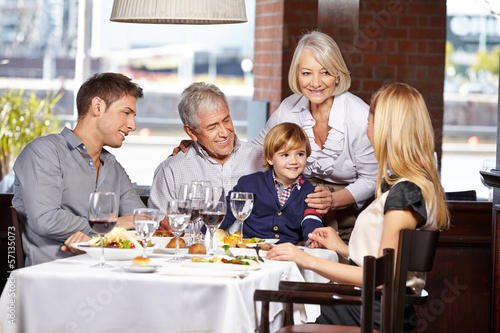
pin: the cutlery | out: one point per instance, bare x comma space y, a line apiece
257, 249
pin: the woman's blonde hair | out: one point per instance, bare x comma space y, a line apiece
404, 143
327, 53
284, 136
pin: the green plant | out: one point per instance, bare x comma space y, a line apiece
23, 118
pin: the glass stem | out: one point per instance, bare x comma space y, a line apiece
241, 232
176, 255
211, 241
144, 246
102, 261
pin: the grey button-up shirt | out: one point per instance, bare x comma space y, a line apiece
54, 178
196, 164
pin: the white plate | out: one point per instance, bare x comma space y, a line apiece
110, 253
140, 269
266, 241
189, 255
222, 267
246, 252
161, 241
172, 251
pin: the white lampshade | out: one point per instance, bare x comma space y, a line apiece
179, 11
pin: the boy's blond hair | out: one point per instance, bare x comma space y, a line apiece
284, 136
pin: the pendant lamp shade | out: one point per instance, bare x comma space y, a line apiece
179, 11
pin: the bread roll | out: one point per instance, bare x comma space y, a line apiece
140, 261
221, 235
171, 244
197, 248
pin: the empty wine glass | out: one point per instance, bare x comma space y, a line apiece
241, 206
103, 214
146, 222
179, 215
213, 212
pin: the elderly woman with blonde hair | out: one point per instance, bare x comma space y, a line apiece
408, 196
342, 160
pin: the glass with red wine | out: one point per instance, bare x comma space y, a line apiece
213, 211
103, 214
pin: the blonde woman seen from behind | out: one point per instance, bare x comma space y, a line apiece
408, 196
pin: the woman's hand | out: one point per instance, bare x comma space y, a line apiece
289, 252
321, 199
329, 238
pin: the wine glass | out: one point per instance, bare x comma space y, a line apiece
179, 215
196, 195
192, 192
103, 214
198, 238
241, 206
146, 222
213, 212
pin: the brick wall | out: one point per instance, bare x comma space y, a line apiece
382, 41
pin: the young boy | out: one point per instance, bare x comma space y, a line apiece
279, 209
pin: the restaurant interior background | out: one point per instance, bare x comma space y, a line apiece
39, 43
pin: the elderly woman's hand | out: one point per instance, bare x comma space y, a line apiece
321, 199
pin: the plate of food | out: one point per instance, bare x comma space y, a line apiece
270, 241
119, 244
223, 263
162, 237
223, 238
249, 252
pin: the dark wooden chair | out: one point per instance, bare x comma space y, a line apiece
416, 251
376, 272
18, 238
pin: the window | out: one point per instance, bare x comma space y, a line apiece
470, 95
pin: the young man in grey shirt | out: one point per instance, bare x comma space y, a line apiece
55, 174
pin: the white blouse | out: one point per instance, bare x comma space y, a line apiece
347, 156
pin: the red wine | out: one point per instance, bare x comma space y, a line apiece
195, 214
212, 219
102, 226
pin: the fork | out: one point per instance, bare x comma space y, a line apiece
257, 249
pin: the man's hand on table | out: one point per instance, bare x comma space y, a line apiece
77, 237
164, 225
126, 222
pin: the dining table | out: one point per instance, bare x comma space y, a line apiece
69, 295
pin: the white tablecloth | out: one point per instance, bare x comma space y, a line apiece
70, 296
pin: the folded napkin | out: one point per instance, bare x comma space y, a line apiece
184, 271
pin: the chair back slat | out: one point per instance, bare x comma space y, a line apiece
368, 294
423, 245
416, 252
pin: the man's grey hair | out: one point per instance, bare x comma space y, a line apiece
198, 98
